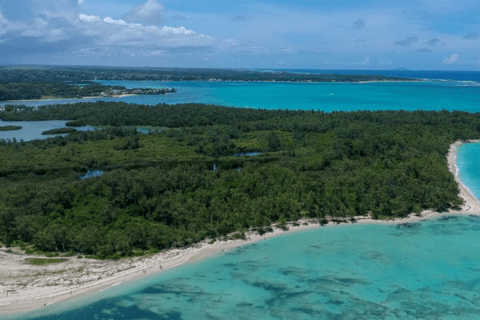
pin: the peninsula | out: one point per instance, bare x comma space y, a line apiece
58, 90
10, 128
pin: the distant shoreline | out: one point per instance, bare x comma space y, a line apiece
59, 99
281, 81
106, 274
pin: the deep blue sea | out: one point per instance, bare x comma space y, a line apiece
426, 270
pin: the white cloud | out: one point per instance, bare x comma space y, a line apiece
453, 59
155, 53
86, 18
117, 22
80, 2
366, 61
150, 12
36, 29
231, 42
56, 35
61, 24
111, 32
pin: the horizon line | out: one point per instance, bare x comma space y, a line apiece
225, 68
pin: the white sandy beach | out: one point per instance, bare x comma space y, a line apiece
24, 287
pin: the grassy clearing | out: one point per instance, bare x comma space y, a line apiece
43, 262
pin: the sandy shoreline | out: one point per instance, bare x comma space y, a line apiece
24, 287
63, 99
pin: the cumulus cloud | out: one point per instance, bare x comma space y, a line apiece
110, 32
432, 42
406, 42
471, 36
358, 24
52, 30
424, 50
39, 20
453, 59
86, 18
149, 12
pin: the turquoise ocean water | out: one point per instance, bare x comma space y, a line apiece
425, 270
428, 95
468, 162
431, 95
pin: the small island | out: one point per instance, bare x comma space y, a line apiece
10, 128
59, 131
57, 90
121, 91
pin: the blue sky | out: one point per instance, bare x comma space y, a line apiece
340, 34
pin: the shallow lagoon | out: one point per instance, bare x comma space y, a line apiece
428, 95
423, 270
468, 162
32, 130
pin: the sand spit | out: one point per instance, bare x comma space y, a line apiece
24, 287
70, 99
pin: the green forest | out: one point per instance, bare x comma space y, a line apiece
85, 75
184, 182
38, 90
41, 90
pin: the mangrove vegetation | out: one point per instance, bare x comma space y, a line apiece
160, 189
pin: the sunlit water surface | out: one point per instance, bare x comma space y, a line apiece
429, 95
468, 162
32, 130
425, 270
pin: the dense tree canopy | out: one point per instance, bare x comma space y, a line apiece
87, 74
159, 189
41, 90
122, 114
